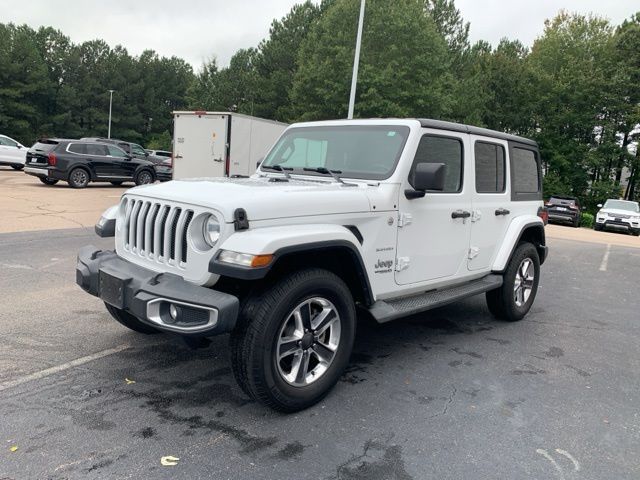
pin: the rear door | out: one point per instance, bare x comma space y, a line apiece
200, 145
491, 210
97, 156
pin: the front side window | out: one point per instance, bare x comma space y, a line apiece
525, 171
8, 142
137, 150
116, 152
362, 151
447, 150
490, 166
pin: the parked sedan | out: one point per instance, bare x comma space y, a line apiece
79, 162
564, 210
12, 152
619, 215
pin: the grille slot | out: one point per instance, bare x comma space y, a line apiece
156, 231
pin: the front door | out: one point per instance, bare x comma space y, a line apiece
123, 165
433, 231
491, 201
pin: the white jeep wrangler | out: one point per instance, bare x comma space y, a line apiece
391, 217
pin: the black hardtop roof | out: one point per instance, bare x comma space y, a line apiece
485, 132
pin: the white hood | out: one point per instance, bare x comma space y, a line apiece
262, 199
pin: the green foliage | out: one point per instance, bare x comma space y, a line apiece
587, 220
160, 141
403, 65
52, 87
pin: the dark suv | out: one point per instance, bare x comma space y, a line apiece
563, 209
79, 162
132, 149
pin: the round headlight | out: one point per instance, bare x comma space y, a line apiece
211, 230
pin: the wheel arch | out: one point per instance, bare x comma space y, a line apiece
521, 230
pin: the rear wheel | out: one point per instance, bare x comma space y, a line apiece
130, 321
48, 180
294, 340
513, 300
78, 178
144, 177
17, 166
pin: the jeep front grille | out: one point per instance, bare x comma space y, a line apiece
156, 231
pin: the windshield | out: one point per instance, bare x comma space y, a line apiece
562, 201
622, 205
367, 152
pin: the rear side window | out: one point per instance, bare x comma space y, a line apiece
525, 171
96, 149
435, 149
490, 167
77, 148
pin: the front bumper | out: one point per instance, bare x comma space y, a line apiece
622, 224
149, 295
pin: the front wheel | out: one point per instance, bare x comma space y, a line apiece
48, 180
513, 300
130, 321
294, 340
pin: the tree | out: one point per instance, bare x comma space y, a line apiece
403, 66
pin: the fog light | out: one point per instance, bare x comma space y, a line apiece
173, 312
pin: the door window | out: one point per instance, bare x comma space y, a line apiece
137, 150
79, 148
116, 152
525, 171
447, 150
490, 167
96, 149
8, 142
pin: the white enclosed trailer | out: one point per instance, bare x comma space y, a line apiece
220, 144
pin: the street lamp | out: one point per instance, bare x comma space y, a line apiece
356, 62
110, 103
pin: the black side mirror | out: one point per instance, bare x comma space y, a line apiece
427, 177
19, 147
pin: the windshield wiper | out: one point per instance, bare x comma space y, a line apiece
333, 173
278, 168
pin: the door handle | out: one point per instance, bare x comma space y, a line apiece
460, 214
217, 160
502, 211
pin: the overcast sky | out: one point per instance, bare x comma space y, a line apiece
197, 30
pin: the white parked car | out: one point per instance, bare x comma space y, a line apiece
12, 152
619, 215
390, 217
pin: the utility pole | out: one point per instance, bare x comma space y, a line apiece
356, 62
110, 103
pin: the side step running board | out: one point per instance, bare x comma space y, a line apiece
387, 310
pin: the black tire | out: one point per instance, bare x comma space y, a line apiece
263, 321
144, 177
597, 228
502, 302
116, 184
48, 180
635, 231
130, 321
577, 222
17, 167
79, 178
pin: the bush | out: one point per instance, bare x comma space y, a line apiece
587, 220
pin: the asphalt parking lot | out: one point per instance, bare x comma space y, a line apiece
450, 394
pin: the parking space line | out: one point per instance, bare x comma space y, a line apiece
62, 367
605, 259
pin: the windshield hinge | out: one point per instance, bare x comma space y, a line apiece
404, 219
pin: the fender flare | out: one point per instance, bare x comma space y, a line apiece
283, 241
513, 236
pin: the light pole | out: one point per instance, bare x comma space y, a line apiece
110, 103
356, 62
